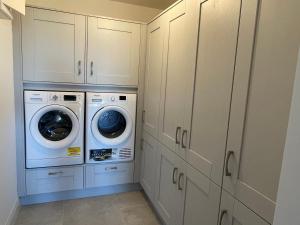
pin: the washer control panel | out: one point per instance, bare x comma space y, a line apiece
53, 97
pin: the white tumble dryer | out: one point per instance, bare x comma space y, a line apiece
54, 124
110, 127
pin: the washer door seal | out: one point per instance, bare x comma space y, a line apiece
111, 125
54, 127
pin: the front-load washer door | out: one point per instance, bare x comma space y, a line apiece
111, 125
54, 127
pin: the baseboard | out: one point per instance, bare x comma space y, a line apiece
76, 194
11, 220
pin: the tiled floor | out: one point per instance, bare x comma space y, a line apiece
123, 209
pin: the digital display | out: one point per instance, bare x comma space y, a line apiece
122, 98
70, 98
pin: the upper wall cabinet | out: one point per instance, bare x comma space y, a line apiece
153, 77
113, 52
53, 46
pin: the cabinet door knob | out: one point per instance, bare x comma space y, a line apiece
175, 170
143, 116
178, 129
79, 67
180, 188
92, 68
227, 172
184, 134
223, 213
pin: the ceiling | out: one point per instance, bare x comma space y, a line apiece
157, 4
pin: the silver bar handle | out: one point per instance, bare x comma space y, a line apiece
175, 170
79, 67
223, 213
184, 134
92, 68
143, 116
55, 173
178, 129
227, 172
180, 188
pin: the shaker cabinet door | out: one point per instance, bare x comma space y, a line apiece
153, 76
113, 52
53, 46
217, 42
174, 78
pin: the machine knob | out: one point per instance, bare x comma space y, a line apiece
113, 98
54, 97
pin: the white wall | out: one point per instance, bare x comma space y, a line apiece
106, 8
288, 203
8, 183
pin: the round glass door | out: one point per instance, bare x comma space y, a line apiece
54, 126
111, 125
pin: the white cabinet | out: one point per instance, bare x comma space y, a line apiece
53, 46
169, 199
217, 42
256, 130
54, 179
153, 75
175, 76
233, 212
184, 196
202, 198
113, 52
149, 165
108, 174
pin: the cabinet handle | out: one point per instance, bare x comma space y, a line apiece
180, 188
92, 68
79, 67
227, 172
223, 213
55, 173
184, 133
143, 116
178, 129
175, 170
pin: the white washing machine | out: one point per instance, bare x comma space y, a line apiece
110, 127
54, 124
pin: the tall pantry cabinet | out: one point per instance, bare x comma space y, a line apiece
200, 80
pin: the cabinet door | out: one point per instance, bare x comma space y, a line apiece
168, 200
233, 212
174, 78
217, 42
153, 76
149, 164
256, 129
53, 45
113, 52
202, 199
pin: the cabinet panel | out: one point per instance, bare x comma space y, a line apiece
113, 52
174, 79
202, 198
257, 123
108, 174
233, 212
218, 32
149, 165
153, 76
53, 179
48, 56
168, 200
